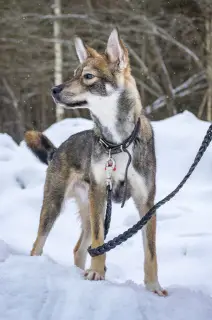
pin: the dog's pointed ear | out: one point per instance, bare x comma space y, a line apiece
116, 50
81, 50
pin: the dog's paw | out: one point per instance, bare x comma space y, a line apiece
93, 275
156, 288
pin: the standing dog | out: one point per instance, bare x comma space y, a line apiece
104, 84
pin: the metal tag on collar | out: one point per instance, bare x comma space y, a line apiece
110, 163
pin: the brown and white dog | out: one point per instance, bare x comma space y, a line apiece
104, 84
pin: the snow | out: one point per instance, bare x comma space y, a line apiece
51, 288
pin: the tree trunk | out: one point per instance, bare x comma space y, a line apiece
58, 66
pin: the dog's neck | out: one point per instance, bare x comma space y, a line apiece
115, 116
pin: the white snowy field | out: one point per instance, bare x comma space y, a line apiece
51, 288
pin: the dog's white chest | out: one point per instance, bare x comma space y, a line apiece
121, 159
100, 173
105, 109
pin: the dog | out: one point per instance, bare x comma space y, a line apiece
103, 83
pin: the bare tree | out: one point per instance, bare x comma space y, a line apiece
58, 66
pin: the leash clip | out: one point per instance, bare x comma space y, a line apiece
110, 166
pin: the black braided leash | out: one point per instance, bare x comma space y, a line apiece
108, 211
112, 148
141, 223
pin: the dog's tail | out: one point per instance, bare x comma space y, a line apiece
40, 145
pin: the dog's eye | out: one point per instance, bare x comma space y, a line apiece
88, 76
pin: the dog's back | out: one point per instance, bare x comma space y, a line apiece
76, 149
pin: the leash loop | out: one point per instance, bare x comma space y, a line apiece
110, 166
125, 176
108, 211
112, 148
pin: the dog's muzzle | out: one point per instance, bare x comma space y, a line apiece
56, 92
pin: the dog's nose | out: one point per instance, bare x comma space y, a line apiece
57, 89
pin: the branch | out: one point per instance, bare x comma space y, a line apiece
53, 17
193, 84
160, 32
72, 16
167, 84
11, 93
144, 68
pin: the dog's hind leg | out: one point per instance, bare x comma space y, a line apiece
53, 199
149, 244
80, 250
49, 213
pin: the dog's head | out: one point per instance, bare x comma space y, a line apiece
98, 75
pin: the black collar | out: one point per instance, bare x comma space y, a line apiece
117, 148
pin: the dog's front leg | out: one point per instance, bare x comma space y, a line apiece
149, 244
97, 197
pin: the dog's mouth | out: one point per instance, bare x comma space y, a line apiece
75, 104
70, 105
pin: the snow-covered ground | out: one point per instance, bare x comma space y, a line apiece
51, 288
